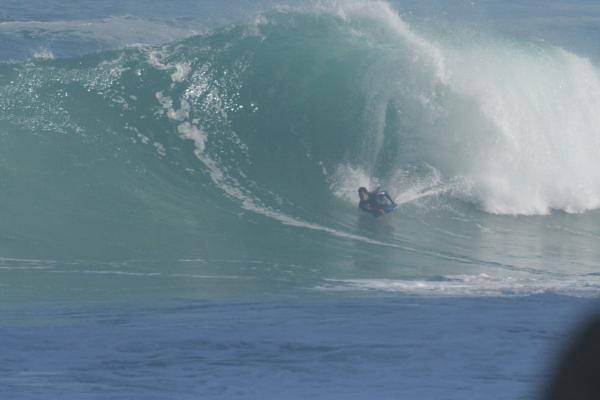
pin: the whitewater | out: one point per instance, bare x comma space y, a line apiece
178, 192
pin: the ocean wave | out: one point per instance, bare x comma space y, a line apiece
281, 119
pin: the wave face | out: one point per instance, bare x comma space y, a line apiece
250, 141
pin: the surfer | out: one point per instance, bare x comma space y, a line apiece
376, 202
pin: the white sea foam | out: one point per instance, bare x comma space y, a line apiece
542, 103
43, 54
160, 149
181, 72
481, 285
346, 180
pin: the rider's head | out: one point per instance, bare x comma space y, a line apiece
363, 193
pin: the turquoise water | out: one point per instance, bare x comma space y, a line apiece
201, 155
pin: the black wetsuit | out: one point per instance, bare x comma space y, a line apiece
377, 203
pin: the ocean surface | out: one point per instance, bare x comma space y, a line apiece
178, 205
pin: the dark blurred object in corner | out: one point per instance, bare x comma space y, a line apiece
578, 374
